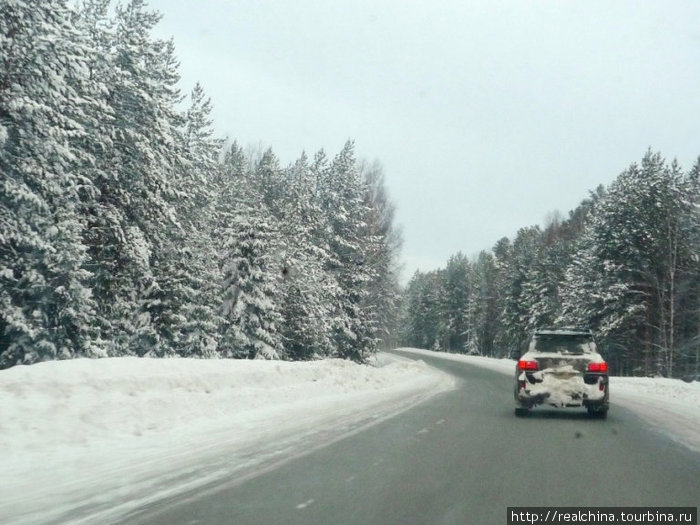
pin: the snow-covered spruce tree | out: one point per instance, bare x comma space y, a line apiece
182, 304
502, 253
469, 310
689, 280
434, 303
230, 182
516, 320
250, 311
409, 332
349, 239
595, 294
629, 265
483, 310
307, 288
198, 328
269, 182
457, 292
248, 247
423, 322
117, 251
45, 301
132, 215
578, 305
525, 285
540, 290
171, 288
384, 288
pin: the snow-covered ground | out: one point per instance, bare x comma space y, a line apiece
671, 405
78, 435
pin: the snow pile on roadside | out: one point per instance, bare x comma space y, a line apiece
80, 401
672, 390
505, 366
72, 431
669, 404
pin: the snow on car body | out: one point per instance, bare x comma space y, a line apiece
562, 368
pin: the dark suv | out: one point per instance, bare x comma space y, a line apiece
562, 368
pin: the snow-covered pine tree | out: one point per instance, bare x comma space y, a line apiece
45, 300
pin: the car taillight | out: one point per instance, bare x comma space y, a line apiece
527, 365
598, 367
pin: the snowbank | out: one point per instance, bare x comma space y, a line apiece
78, 435
505, 366
671, 405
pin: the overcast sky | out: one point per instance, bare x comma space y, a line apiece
486, 115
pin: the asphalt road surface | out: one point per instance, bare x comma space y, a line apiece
461, 457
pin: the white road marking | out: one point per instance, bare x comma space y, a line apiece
305, 504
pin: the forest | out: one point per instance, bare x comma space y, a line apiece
128, 228
624, 263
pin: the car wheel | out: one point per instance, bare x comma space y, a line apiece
601, 412
521, 412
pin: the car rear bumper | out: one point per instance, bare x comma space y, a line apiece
574, 391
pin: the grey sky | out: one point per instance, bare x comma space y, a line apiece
486, 115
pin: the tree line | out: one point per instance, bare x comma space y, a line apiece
128, 228
624, 263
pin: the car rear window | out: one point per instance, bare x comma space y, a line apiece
564, 344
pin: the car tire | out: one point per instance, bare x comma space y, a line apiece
521, 412
600, 412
